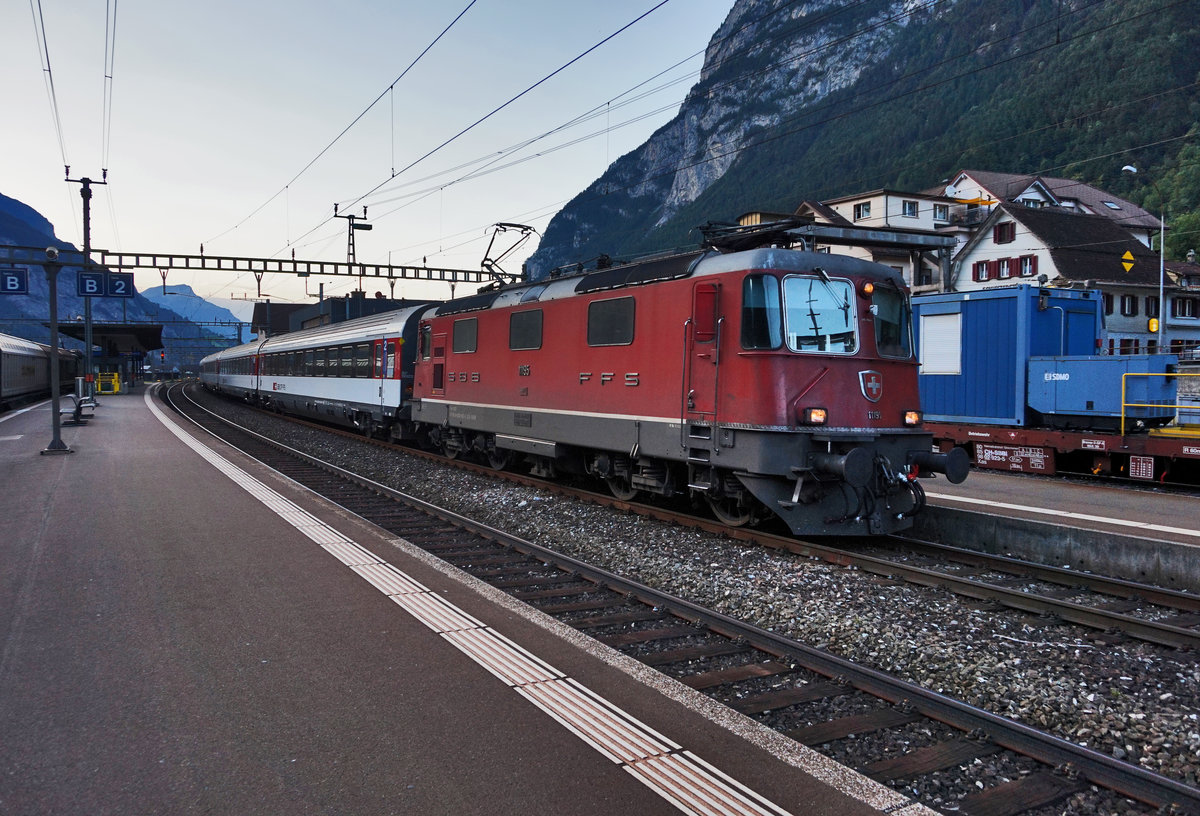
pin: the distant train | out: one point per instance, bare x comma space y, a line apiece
25, 370
763, 383
1011, 376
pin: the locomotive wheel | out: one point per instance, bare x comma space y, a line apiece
499, 458
728, 511
621, 488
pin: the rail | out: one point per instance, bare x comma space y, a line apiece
1124, 404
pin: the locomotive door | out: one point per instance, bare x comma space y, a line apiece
438, 386
702, 351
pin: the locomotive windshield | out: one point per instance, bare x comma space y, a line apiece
893, 323
819, 315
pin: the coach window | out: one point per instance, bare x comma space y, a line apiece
320, 358
362, 360
893, 323
466, 335
525, 330
610, 322
819, 315
762, 317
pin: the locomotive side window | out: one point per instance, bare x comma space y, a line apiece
466, 335
762, 316
610, 322
893, 323
525, 330
819, 315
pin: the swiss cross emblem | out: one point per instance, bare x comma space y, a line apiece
871, 383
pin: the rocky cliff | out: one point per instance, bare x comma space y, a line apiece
815, 99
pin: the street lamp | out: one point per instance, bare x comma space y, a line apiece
1162, 258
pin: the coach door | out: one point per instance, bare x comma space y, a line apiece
701, 343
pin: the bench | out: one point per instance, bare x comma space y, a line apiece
75, 409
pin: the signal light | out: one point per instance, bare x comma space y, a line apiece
912, 418
814, 416
867, 289
1152, 325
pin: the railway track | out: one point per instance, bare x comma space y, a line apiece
779, 681
1114, 608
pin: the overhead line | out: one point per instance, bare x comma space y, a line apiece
345, 130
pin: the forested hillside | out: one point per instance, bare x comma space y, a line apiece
812, 100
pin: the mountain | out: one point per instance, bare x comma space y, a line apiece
813, 100
27, 315
183, 301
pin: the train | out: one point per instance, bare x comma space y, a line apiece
1012, 376
765, 383
25, 370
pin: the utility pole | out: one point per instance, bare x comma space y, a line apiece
51, 267
85, 191
354, 225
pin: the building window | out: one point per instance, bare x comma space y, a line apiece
1006, 267
1152, 306
1028, 265
1108, 303
862, 211
1184, 307
1129, 305
1129, 345
981, 271
1004, 233
909, 208
941, 212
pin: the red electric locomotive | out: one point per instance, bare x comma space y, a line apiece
763, 382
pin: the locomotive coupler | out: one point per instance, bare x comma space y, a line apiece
955, 463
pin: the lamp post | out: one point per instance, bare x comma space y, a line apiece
52, 266
1162, 259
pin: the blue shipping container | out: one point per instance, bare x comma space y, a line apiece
974, 347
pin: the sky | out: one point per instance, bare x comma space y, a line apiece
217, 109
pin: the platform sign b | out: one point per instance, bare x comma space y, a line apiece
89, 284
14, 281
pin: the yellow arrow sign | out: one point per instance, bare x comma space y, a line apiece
1127, 260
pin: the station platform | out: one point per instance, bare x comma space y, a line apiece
1139, 533
184, 631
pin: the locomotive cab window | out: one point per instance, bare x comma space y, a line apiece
525, 330
893, 323
819, 315
762, 315
425, 342
610, 322
466, 335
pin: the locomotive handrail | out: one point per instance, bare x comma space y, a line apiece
1125, 404
683, 394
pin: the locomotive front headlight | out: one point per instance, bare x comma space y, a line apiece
912, 418
867, 289
814, 416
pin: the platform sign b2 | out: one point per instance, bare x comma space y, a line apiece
105, 284
14, 281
